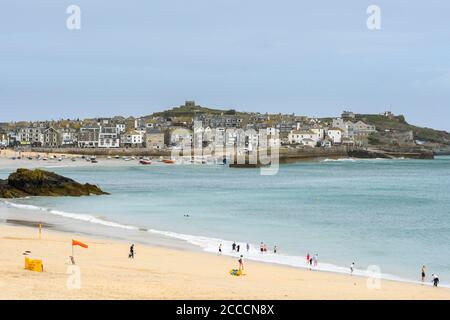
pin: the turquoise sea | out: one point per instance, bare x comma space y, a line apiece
394, 214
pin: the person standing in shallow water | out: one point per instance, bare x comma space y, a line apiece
220, 249
316, 259
248, 247
238, 248
423, 273
233, 246
352, 268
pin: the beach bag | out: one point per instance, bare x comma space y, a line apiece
235, 272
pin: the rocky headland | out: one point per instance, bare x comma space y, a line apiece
37, 182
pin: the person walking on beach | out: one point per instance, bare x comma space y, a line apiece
131, 254
241, 263
423, 273
220, 249
233, 246
316, 259
248, 247
352, 267
435, 280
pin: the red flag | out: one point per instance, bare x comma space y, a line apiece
78, 243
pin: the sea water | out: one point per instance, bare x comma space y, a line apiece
391, 214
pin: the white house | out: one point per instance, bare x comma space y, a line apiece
134, 139
120, 127
297, 136
335, 134
309, 142
68, 137
341, 124
108, 138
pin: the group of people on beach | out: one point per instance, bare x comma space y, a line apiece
434, 276
263, 248
237, 248
312, 260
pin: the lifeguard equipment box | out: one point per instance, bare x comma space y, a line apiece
34, 265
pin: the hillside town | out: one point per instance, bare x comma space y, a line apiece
169, 130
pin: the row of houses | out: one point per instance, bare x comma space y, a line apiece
341, 131
253, 130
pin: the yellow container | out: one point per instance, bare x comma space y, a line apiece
34, 265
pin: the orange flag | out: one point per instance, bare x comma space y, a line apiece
78, 243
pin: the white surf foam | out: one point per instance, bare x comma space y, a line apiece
75, 216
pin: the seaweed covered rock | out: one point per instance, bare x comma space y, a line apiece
25, 182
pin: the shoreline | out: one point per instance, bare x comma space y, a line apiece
158, 273
179, 242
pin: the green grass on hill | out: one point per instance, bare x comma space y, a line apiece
399, 123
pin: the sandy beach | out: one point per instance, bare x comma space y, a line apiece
162, 273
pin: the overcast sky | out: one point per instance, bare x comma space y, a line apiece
313, 58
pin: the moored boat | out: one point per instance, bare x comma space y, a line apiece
143, 161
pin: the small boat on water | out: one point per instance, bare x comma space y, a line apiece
94, 161
169, 161
143, 161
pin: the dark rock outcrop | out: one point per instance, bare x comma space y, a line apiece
24, 182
